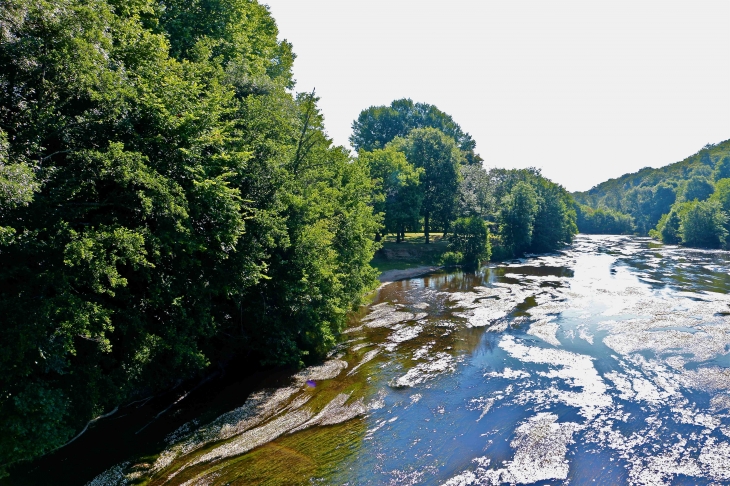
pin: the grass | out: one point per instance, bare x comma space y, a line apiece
416, 238
421, 254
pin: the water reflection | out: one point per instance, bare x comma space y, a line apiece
608, 361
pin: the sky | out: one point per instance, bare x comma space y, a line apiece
584, 90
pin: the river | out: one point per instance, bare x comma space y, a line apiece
606, 363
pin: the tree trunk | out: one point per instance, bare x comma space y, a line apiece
397, 236
425, 227
378, 236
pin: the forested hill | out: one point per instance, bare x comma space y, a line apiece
650, 193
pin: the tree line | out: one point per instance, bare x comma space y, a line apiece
168, 202
683, 203
428, 177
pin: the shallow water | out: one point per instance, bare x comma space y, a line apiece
605, 363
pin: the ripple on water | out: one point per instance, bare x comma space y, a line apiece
436, 365
540, 444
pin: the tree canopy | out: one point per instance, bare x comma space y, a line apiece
376, 126
437, 154
164, 202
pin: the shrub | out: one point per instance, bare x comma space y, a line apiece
451, 258
470, 237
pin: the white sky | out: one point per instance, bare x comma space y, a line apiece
585, 90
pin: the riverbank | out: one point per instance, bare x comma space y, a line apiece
412, 254
402, 274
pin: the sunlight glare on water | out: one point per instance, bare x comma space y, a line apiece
607, 361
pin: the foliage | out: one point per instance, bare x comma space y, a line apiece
722, 194
376, 126
470, 238
536, 215
164, 203
678, 204
722, 169
603, 221
702, 225
649, 194
398, 192
451, 258
476, 192
697, 189
438, 156
517, 217
667, 229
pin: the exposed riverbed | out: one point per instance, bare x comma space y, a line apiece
608, 361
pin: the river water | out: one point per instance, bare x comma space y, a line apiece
606, 363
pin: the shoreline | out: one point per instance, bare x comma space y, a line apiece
390, 276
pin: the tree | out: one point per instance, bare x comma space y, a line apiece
398, 192
517, 217
664, 196
669, 228
551, 224
439, 157
376, 126
17, 185
555, 220
603, 221
722, 194
722, 197
697, 188
702, 224
476, 192
722, 169
470, 237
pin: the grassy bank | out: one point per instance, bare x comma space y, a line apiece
411, 253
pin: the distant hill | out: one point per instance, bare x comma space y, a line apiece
648, 194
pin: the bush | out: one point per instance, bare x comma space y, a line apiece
703, 225
470, 238
451, 258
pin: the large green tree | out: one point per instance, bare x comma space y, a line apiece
470, 238
398, 189
439, 157
517, 217
702, 224
376, 126
697, 188
546, 225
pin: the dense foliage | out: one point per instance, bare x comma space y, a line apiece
603, 221
439, 159
526, 212
700, 224
683, 203
376, 126
469, 241
397, 194
535, 215
649, 194
164, 202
